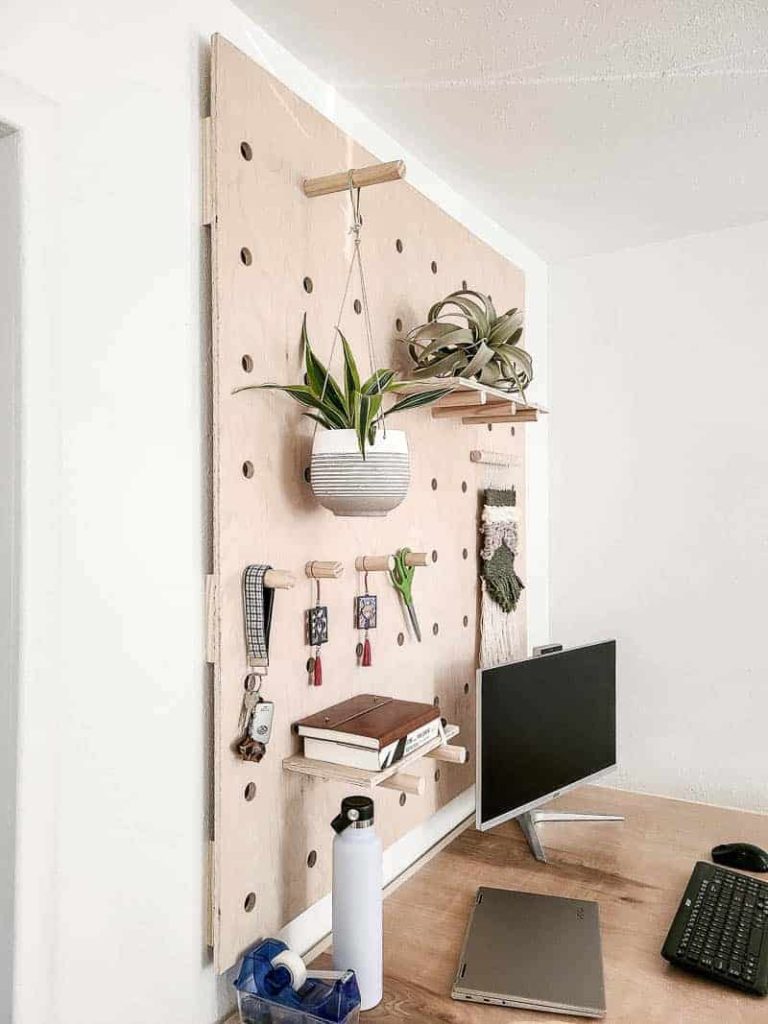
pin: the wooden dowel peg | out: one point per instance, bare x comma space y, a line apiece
412, 784
324, 570
416, 558
374, 563
374, 174
451, 754
493, 458
279, 579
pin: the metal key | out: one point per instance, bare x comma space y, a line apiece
260, 726
250, 700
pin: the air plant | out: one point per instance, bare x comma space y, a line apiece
467, 338
354, 406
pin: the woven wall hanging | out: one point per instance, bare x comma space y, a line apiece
501, 585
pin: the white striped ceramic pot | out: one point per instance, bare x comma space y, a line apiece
349, 485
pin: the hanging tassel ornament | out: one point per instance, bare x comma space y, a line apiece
365, 619
317, 635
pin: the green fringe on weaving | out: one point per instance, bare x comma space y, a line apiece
496, 497
501, 581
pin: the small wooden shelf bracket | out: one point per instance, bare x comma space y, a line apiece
374, 174
374, 563
279, 579
324, 570
414, 785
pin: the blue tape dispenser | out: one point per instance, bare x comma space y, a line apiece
273, 985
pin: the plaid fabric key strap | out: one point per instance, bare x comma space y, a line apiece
257, 611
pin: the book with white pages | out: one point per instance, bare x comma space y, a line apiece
367, 758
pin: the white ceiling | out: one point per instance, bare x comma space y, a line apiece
578, 125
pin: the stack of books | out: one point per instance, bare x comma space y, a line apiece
369, 731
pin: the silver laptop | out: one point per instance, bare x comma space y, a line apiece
532, 952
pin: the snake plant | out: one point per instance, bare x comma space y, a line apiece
465, 337
356, 405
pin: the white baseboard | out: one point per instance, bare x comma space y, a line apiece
310, 932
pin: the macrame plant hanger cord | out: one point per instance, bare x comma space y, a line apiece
356, 259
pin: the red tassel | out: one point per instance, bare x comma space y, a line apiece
318, 672
367, 653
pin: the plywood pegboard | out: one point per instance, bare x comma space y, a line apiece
263, 141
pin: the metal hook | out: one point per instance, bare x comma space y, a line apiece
317, 592
365, 578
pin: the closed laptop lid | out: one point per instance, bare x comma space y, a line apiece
541, 951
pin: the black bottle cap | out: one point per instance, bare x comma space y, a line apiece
353, 810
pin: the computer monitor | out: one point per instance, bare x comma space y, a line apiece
544, 725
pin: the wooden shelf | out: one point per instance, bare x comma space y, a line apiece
388, 777
474, 403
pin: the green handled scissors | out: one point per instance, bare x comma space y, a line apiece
402, 580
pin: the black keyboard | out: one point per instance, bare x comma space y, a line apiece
720, 928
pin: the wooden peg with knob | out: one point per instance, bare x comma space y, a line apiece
414, 558
279, 579
324, 570
374, 563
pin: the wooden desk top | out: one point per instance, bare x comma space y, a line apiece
636, 870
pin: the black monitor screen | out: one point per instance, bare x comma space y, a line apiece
544, 724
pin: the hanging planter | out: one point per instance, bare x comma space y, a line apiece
350, 485
359, 466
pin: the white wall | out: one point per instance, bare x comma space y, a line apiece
10, 299
659, 454
113, 765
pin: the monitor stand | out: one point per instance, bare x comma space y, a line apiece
529, 821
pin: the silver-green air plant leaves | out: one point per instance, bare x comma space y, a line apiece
465, 337
355, 406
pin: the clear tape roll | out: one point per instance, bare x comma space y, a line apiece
294, 965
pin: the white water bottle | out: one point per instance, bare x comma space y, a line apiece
357, 881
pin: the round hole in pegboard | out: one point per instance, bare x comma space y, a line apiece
435, 628
463, 486
400, 639
250, 791
250, 902
246, 256
247, 363
312, 858
434, 483
308, 284
466, 687
307, 475
434, 556
357, 306
465, 620
490, 427
245, 151
512, 431
398, 324
247, 469
437, 774
403, 798
399, 244
465, 553
433, 267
